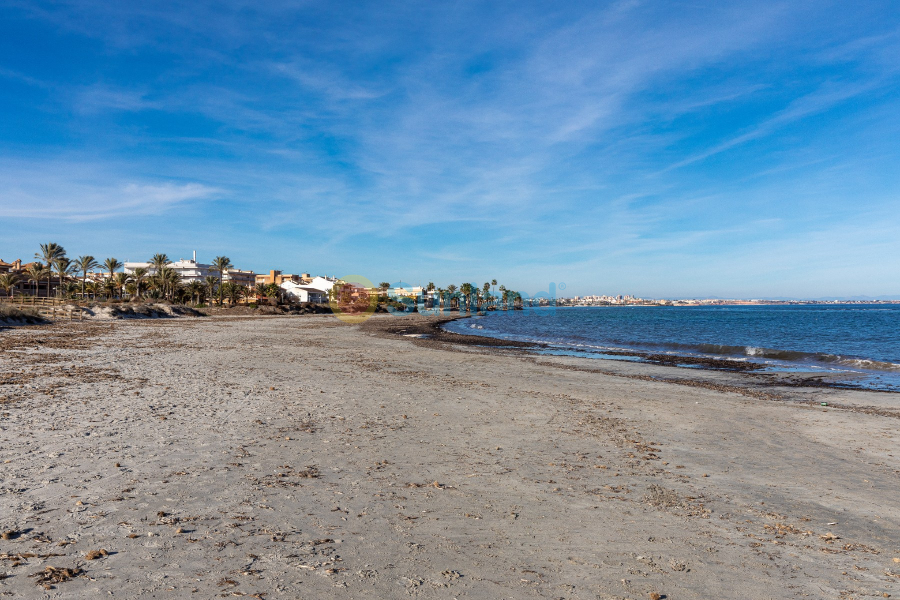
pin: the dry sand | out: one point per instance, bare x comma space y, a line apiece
298, 457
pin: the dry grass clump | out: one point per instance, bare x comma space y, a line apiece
13, 314
95, 554
309, 472
663, 498
52, 575
666, 499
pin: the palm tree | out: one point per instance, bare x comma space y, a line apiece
221, 264
112, 265
138, 276
273, 291
8, 282
211, 282
109, 287
177, 290
153, 288
260, 290
50, 252
181, 294
36, 271
234, 292
195, 288
225, 289
466, 289
159, 281
451, 289
48, 275
121, 280
84, 264
64, 267
159, 261
169, 281
69, 289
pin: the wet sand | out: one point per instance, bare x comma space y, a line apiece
298, 457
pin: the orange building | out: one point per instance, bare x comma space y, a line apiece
276, 277
13, 267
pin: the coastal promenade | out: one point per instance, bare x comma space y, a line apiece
300, 457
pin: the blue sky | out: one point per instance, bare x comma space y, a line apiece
659, 149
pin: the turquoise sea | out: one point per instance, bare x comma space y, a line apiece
861, 341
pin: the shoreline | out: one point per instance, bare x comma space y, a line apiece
797, 388
431, 327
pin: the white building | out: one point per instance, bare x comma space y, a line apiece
303, 293
323, 284
188, 270
410, 292
314, 291
191, 270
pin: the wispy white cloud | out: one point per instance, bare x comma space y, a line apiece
326, 82
18, 76
814, 103
99, 98
78, 193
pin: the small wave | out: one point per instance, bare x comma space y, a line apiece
775, 354
813, 357
861, 363
794, 356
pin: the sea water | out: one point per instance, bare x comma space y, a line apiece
861, 340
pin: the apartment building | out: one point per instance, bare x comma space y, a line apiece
188, 270
276, 277
191, 270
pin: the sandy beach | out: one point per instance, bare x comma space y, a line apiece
300, 457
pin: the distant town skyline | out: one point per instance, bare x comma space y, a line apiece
659, 150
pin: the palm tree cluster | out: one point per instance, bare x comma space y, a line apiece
268, 291
159, 282
469, 296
